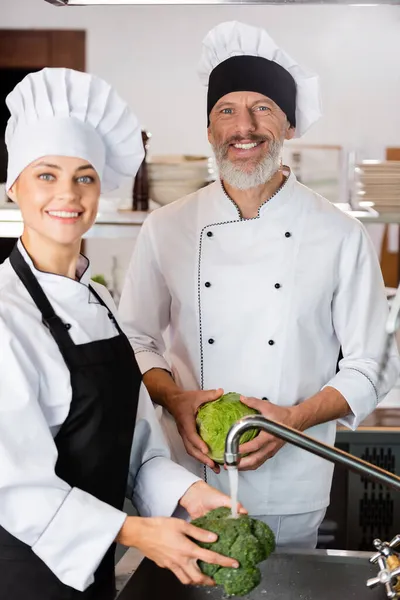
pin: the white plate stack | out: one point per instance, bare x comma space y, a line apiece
377, 185
173, 176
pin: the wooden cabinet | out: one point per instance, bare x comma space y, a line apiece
67, 49
35, 49
23, 51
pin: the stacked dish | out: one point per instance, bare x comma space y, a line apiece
377, 185
174, 176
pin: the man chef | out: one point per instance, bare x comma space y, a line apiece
260, 282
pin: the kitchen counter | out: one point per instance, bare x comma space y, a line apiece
382, 419
300, 575
118, 223
383, 422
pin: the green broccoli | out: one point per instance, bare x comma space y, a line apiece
238, 582
247, 550
264, 535
247, 540
218, 513
99, 279
227, 535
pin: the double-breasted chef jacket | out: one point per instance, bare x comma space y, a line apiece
68, 528
261, 307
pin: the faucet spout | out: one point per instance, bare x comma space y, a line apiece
305, 442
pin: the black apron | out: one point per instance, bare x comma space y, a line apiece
93, 444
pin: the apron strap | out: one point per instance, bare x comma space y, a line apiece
110, 314
58, 329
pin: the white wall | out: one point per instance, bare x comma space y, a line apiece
150, 54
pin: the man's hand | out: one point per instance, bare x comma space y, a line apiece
169, 543
265, 445
184, 406
200, 498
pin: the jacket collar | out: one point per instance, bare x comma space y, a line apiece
229, 211
69, 287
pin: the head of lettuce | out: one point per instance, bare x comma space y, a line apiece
214, 420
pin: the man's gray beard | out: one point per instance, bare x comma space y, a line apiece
233, 174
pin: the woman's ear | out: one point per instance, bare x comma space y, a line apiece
12, 193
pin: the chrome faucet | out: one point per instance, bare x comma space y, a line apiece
305, 442
387, 558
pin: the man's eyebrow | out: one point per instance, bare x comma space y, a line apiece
224, 104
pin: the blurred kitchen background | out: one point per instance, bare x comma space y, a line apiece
352, 156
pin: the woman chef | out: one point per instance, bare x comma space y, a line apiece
69, 383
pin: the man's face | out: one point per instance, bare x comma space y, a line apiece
247, 131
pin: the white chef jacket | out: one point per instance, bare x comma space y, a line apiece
261, 307
69, 529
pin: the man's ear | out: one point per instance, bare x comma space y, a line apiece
210, 135
290, 131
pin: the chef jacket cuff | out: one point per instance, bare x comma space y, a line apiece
78, 537
359, 392
159, 486
149, 359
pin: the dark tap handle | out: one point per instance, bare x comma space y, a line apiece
140, 195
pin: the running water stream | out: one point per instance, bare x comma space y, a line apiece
233, 475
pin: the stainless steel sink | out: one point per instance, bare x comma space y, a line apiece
301, 575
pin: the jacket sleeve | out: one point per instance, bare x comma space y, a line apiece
359, 312
145, 303
155, 483
67, 528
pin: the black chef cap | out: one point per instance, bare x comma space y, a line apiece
253, 74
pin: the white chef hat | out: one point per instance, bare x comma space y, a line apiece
238, 57
62, 112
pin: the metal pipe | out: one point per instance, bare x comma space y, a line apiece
306, 443
189, 2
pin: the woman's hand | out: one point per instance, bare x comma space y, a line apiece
201, 498
166, 541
